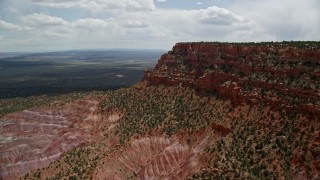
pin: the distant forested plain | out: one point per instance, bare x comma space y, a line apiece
54, 73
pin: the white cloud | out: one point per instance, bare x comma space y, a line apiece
133, 24
43, 20
61, 3
8, 26
199, 3
138, 23
96, 30
161, 1
159, 28
91, 23
288, 20
100, 5
139, 5
218, 16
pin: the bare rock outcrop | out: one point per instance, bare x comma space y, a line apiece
34, 138
279, 75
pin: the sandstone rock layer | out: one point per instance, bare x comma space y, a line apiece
34, 138
279, 76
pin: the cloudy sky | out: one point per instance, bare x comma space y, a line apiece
50, 25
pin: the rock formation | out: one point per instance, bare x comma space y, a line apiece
34, 138
275, 74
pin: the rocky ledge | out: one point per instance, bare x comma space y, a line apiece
284, 75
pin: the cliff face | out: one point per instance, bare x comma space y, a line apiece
279, 75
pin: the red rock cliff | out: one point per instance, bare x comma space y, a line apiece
283, 76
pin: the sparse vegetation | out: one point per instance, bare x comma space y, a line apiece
262, 144
18, 104
164, 109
